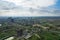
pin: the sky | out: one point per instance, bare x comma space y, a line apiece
16, 8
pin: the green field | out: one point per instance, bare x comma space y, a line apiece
32, 28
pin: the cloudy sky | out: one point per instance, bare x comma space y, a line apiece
29, 7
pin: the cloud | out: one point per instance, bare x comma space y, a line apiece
34, 3
36, 12
28, 8
4, 5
